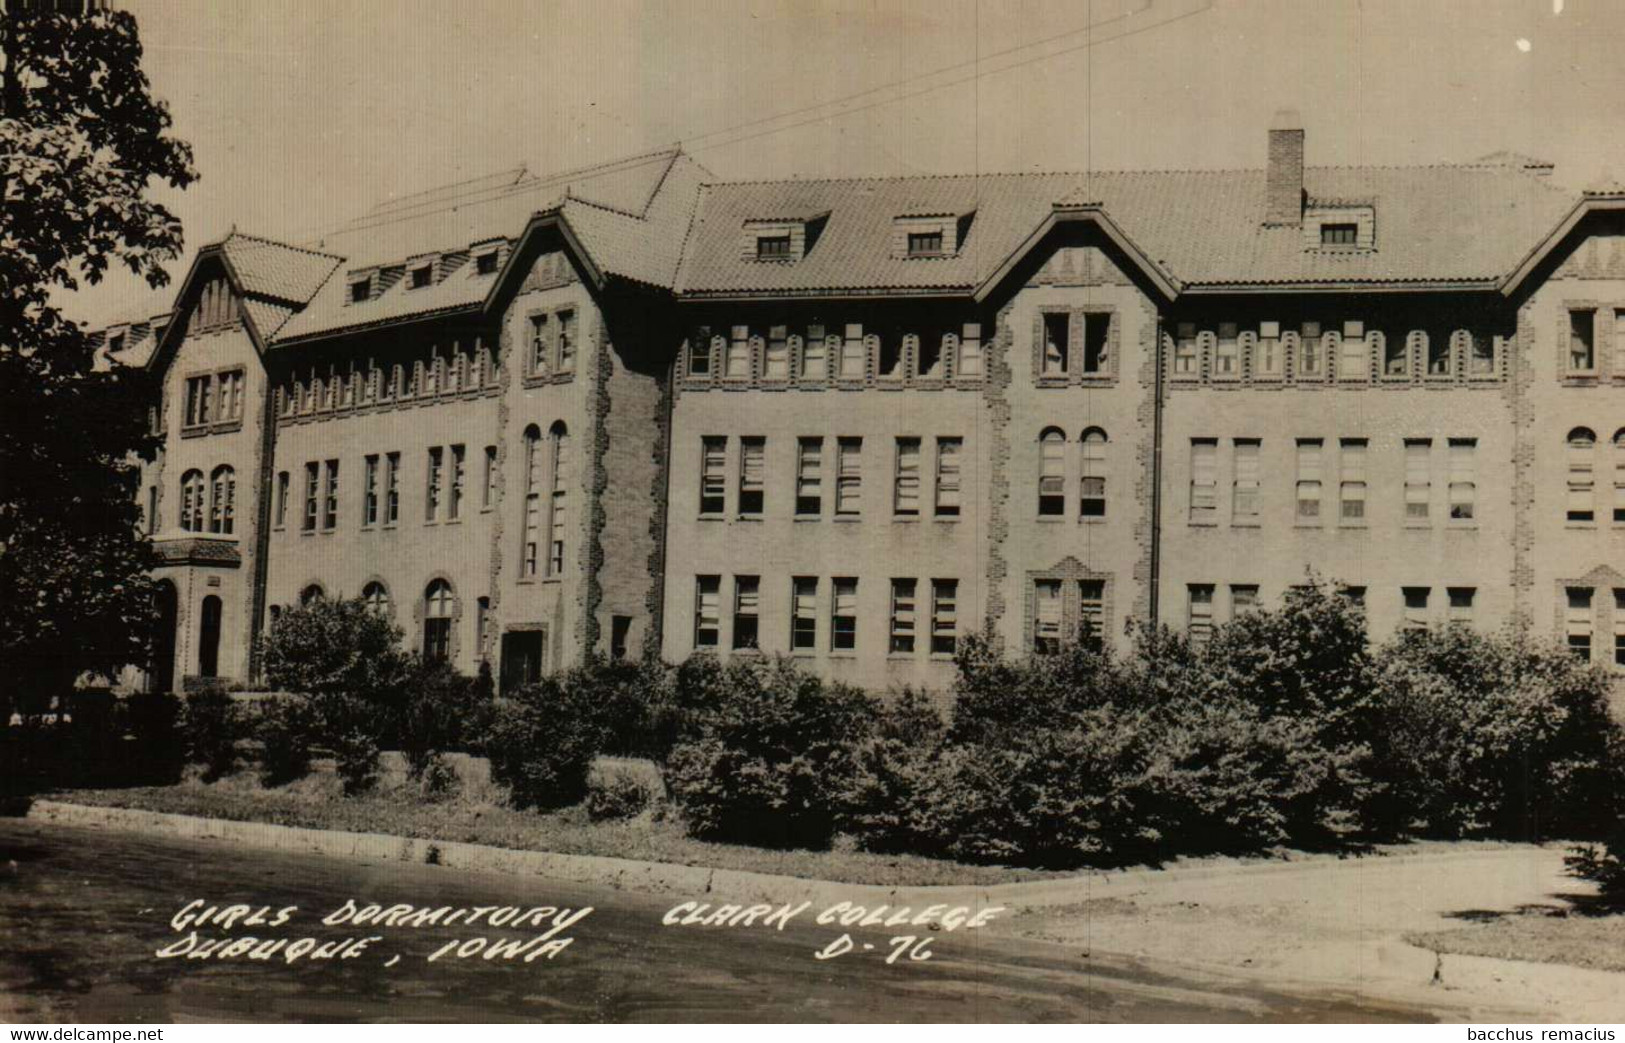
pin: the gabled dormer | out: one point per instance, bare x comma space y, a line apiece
784, 239
929, 234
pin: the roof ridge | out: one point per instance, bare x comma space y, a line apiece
263, 241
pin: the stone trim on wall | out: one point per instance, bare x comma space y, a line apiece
1142, 572
590, 557
1516, 394
997, 352
1070, 571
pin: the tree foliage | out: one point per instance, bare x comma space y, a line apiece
338, 647
81, 142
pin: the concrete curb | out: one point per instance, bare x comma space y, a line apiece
698, 883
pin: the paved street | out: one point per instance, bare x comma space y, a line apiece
82, 913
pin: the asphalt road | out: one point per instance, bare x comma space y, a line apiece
83, 912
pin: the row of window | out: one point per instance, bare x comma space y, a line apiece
365, 285
1270, 351
817, 353
1581, 626
553, 343
1417, 605
914, 625
913, 492
205, 507
1581, 504
439, 612
381, 384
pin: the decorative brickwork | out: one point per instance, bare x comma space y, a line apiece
1146, 473
999, 352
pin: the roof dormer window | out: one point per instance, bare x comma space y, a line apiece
486, 263
360, 289
773, 247
1339, 234
115, 343
421, 276
925, 244
1340, 225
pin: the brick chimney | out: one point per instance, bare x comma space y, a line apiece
1283, 179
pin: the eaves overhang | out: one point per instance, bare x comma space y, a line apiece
1591, 203
1088, 214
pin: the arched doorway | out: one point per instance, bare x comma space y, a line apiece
208, 638
161, 673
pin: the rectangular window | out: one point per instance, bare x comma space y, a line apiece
809, 477
1352, 484
1339, 234
1243, 598
199, 391
843, 615
854, 353
1269, 360
1439, 354
1582, 341
1097, 327
772, 248
567, 341
776, 361
454, 499
281, 499
486, 263
970, 351
422, 276
1187, 352
924, 244
313, 491
1582, 478
1482, 363
737, 365
488, 479
1057, 334
392, 490
804, 613
1396, 356
360, 290
1619, 626
231, 397
1353, 363
948, 458
431, 499
1199, 621
1092, 609
1309, 361
891, 354
556, 511
1092, 480
848, 476
713, 475
1227, 352
330, 513
815, 355
906, 493
1204, 479
747, 611
752, 476
1577, 621
151, 518
1461, 605
1052, 475
541, 346
944, 616
1046, 616
1309, 479
1354, 594
1418, 478
1245, 487
1463, 478
369, 493
707, 611
1416, 607
902, 615
699, 353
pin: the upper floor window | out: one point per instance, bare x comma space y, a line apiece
486, 263
1245, 486
1351, 481
439, 606
557, 508
925, 244
222, 499
752, 476
421, 276
376, 595
1418, 478
1057, 343
773, 247
1187, 354
906, 484
360, 289
809, 477
1339, 234
199, 400
1204, 479
1582, 340
1582, 444
1619, 479
192, 499
529, 556
948, 458
707, 611
1309, 480
848, 476
1052, 474
1269, 356
1463, 478
1577, 620
713, 475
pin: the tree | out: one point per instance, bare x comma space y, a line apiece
81, 142
332, 647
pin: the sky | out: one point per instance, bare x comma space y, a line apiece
304, 113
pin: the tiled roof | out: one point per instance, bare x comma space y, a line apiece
1434, 224
272, 269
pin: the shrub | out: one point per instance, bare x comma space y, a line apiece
288, 727
92, 751
159, 750
352, 727
338, 647
1603, 865
212, 728
635, 701
622, 788
441, 711
885, 806
543, 738
768, 760
1495, 735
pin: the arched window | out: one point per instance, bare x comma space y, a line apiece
528, 555
314, 592
192, 493
1092, 492
439, 605
222, 499
1582, 475
1051, 474
556, 514
376, 595
1619, 483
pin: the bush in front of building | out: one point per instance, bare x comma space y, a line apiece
351, 728
331, 646
623, 788
157, 747
288, 727
212, 726
1603, 864
441, 711
1495, 735
766, 753
543, 738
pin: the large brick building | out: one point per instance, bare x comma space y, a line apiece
637, 409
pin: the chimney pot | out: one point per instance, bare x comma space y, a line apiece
1283, 178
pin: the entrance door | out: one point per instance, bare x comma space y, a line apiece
522, 657
208, 639
161, 675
